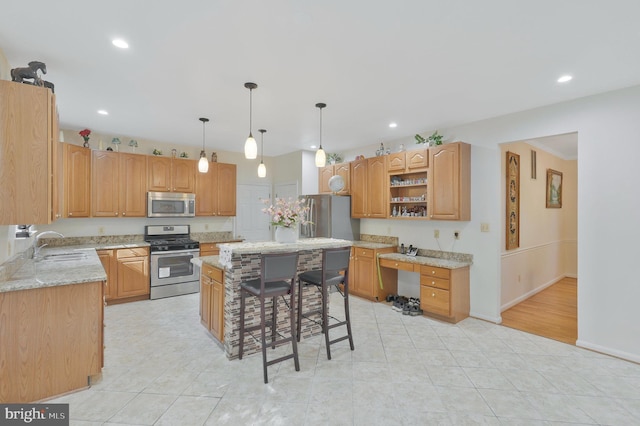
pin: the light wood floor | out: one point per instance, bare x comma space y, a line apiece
552, 313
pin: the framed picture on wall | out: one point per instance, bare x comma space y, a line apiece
554, 189
513, 201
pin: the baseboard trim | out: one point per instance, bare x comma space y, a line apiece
608, 351
495, 320
532, 292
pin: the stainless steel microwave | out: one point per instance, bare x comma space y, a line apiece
171, 204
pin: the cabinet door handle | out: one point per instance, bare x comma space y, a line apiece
433, 295
433, 283
70, 214
116, 213
433, 272
124, 214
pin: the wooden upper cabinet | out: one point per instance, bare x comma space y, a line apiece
359, 188
368, 181
159, 173
171, 174
133, 185
105, 184
77, 181
119, 183
183, 175
226, 189
327, 172
216, 190
377, 181
324, 174
417, 160
409, 161
26, 163
450, 182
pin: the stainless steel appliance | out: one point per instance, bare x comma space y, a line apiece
171, 204
330, 217
171, 251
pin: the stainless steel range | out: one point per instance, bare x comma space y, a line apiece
172, 272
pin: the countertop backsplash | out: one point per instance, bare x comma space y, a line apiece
382, 239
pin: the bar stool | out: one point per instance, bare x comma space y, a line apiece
335, 271
277, 275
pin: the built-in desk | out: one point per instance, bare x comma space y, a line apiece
444, 283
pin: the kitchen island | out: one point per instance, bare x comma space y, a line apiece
240, 262
51, 325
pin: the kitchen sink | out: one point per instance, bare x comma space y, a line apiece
65, 256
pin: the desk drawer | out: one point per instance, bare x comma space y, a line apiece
434, 282
434, 271
213, 273
434, 300
396, 264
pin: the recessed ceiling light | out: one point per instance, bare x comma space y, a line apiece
314, 146
103, 112
118, 42
393, 125
564, 79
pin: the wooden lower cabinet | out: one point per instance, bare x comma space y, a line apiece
444, 293
363, 274
52, 340
127, 274
212, 300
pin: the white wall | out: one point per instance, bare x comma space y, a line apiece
548, 236
608, 204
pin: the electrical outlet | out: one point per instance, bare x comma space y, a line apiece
484, 227
206, 226
436, 233
456, 234
101, 230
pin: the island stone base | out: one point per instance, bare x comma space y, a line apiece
242, 264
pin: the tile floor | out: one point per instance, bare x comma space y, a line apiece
161, 368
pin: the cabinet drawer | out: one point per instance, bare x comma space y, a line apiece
210, 253
132, 252
434, 282
396, 264
363, 252
213, 273
208, 247
434, 271
434, 300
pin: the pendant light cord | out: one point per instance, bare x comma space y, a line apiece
250, 112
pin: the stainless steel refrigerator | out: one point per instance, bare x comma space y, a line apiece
330, 217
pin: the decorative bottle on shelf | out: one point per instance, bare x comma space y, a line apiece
394, 212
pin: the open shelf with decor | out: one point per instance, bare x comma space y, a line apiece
408, 195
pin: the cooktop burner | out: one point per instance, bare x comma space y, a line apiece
168, 238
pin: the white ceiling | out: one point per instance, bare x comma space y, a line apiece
424, 64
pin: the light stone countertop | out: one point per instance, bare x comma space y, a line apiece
427, 261
209, 260
49, 273
228, 250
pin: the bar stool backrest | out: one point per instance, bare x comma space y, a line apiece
279, 267
336, 260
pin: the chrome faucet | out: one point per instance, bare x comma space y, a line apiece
36, 248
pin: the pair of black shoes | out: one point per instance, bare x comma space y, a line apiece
406, 305
412, 307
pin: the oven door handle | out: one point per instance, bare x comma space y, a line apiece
165, 252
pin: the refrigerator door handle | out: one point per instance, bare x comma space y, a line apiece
312, 217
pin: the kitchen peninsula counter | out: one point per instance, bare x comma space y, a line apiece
52, 325
241, 262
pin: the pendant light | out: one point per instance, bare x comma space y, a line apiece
250, 146
203, 163
262, 169
321, 157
